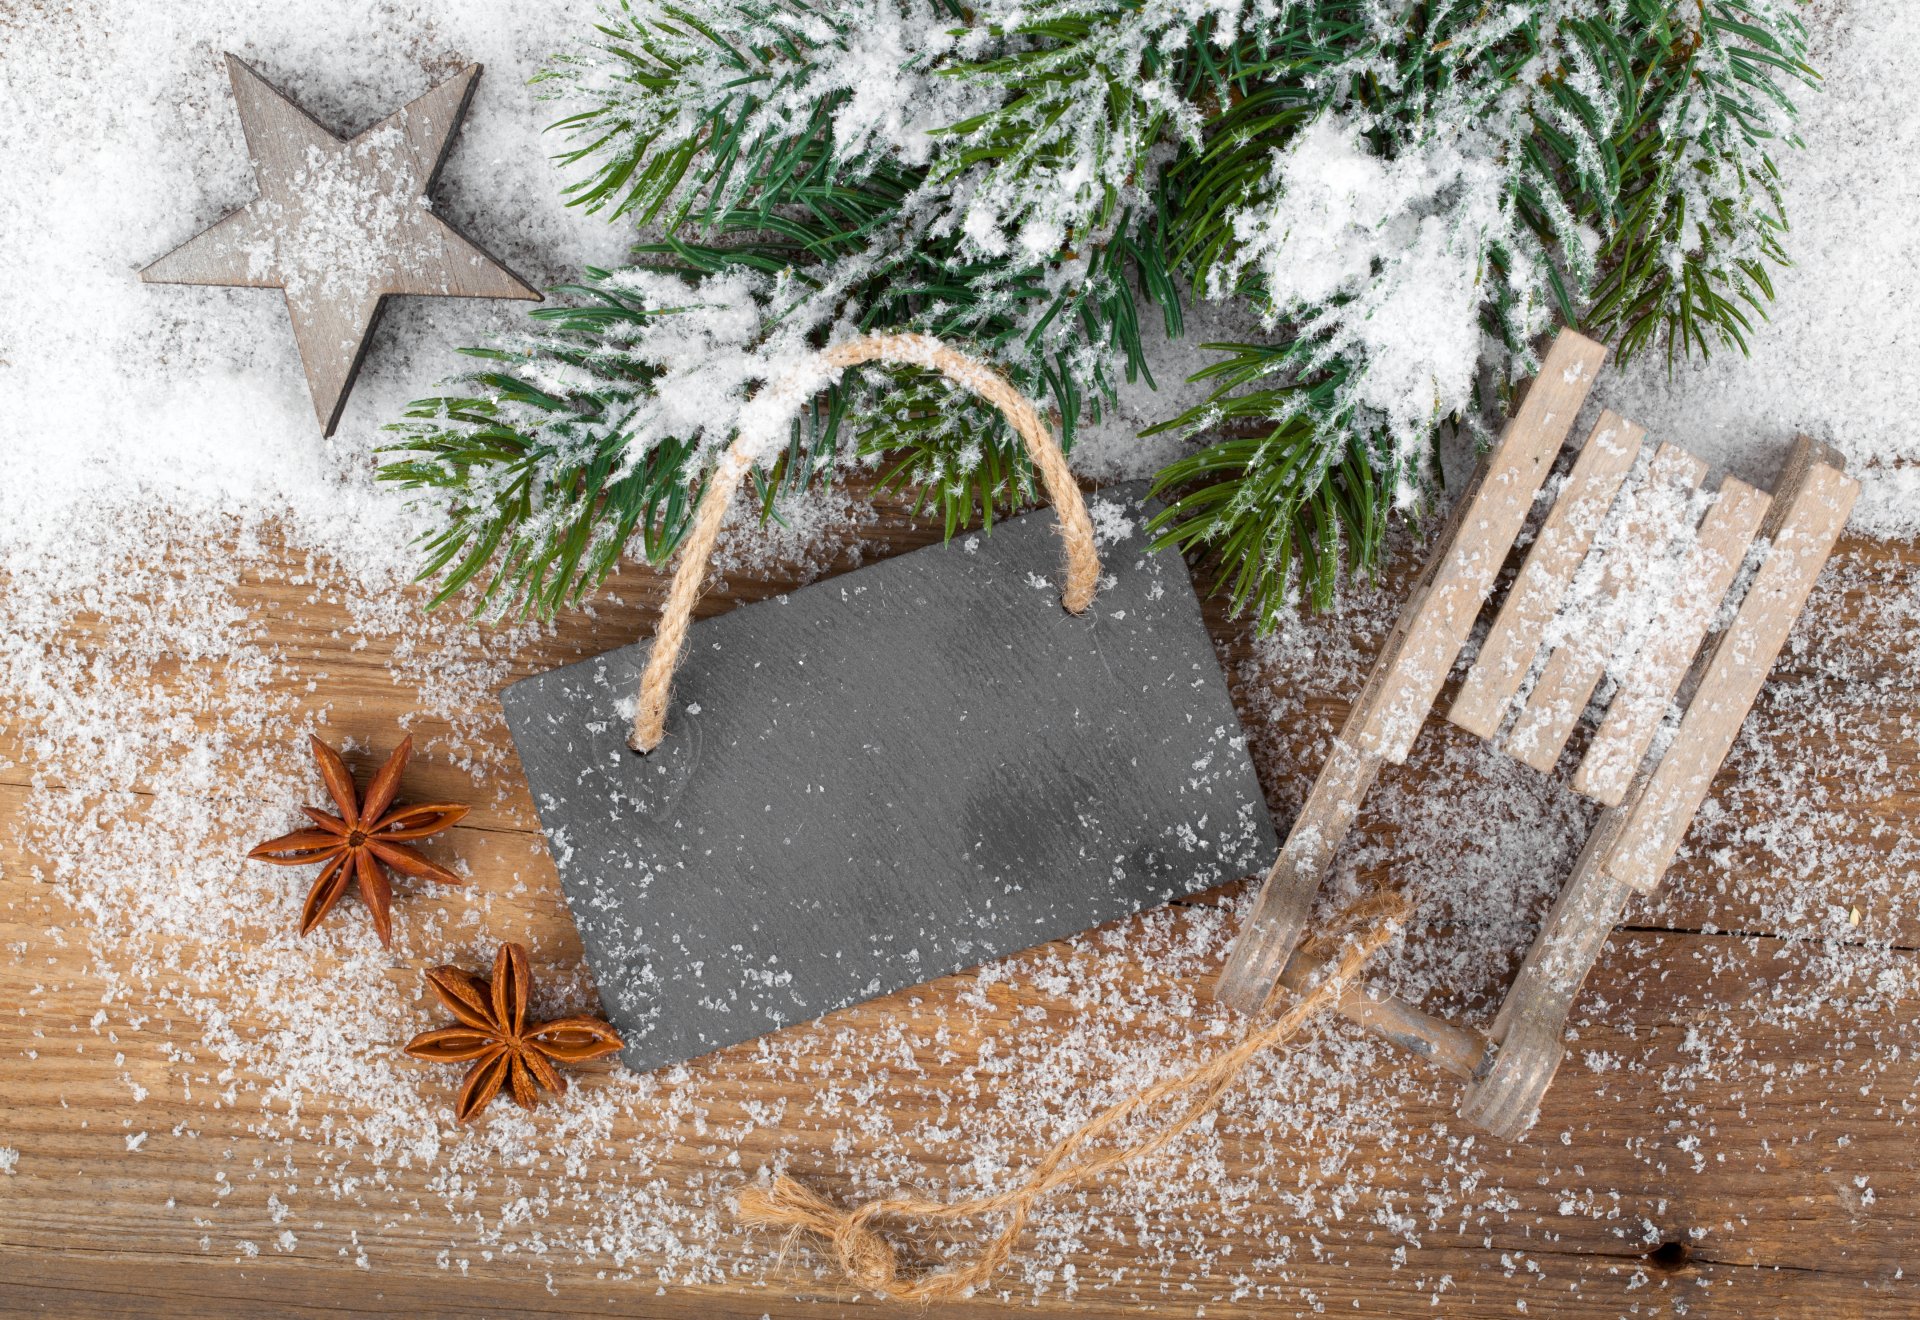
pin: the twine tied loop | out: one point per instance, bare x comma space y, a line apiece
868, 1261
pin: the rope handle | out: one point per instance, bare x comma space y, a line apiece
783, 399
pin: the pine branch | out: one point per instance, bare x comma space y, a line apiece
1699, 217
1406, 193
1609, 215
542, 494
1287, 509
698, 109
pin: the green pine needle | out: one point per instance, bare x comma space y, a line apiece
1106, 161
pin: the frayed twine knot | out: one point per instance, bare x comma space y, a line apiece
864, 1256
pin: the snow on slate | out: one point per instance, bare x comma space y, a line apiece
153, 438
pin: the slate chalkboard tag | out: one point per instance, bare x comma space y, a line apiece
891, 776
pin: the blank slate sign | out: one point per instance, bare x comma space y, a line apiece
886, 777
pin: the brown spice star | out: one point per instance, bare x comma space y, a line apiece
494, 1032
362, 840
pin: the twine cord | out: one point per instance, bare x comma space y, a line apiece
785, 396
868, 1261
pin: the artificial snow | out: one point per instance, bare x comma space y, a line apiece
1393, 252
1833, 356
156, 442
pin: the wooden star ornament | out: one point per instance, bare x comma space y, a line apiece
340, 225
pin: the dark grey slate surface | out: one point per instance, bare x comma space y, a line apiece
889, 776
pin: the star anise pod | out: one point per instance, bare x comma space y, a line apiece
493, 1031
363, 841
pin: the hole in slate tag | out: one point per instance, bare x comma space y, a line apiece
887, 777
666, 769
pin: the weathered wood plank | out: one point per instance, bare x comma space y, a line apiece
1778, 1207
1585, 1203
1569, 529
85, 1283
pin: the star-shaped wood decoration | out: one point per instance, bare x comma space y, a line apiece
341, 225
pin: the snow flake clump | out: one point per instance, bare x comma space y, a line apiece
1379, 261
893, 103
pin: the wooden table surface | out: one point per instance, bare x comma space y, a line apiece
88, 1228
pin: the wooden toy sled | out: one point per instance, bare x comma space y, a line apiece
1618, 566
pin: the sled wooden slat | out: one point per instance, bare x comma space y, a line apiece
1634, 714
1448, 1046
1809, 510
1532, 1020
1643, 833
1447, 597
1650, 594
1564, 538
1280, 912
1576, 666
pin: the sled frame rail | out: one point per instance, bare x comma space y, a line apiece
1527, 690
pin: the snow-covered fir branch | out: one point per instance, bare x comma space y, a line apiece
1407, 194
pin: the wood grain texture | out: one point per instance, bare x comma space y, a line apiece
1575, 667
340, 225
1565, 535
90, 1229
1445, 600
